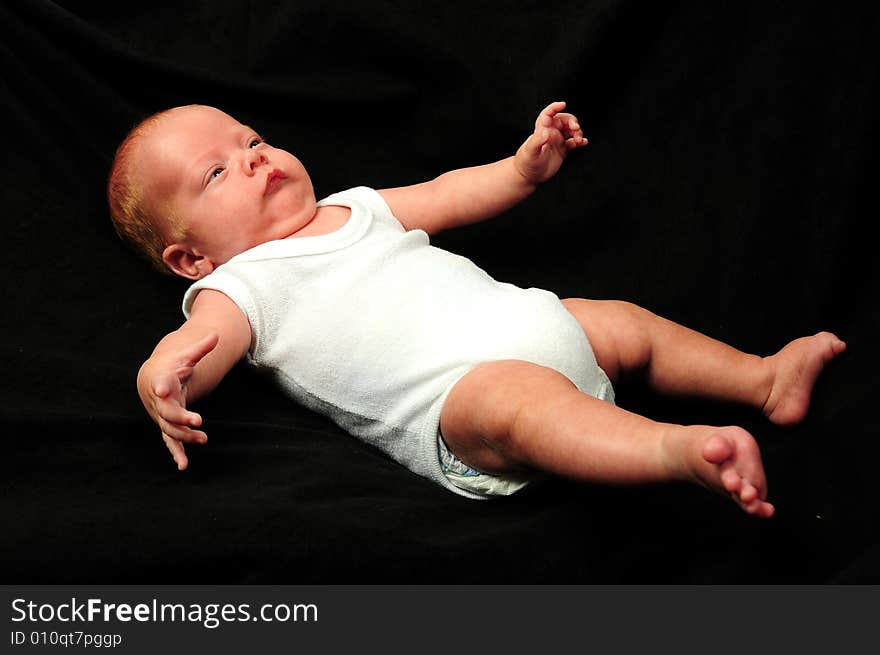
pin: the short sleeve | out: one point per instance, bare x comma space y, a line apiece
236, 290
372, 199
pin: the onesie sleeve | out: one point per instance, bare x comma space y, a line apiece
237, 291
374, 200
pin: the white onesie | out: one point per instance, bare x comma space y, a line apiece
372, 326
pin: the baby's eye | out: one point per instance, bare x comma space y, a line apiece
215, 173
255, 142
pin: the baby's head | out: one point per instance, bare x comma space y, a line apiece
191, 187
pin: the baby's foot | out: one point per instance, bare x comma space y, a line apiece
727, 460
795, 370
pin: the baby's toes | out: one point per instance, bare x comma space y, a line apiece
718, 449
731, 480
759, 508
748, 493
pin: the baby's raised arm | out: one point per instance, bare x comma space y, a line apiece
188, 363
469, 195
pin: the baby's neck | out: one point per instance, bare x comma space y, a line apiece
327, 219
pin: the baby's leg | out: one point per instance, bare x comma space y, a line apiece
677, 360
509, 415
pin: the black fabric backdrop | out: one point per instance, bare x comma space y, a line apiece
729, 185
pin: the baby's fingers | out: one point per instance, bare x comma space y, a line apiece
570, 128
576, 142
545, 118
182, 432
164, 384
173, 412
194, 354
566, 123
177, 452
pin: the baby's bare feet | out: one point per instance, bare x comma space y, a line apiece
726, 460
735, 467
795, 370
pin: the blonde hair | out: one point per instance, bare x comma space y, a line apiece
136, 221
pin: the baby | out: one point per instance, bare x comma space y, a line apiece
475, 384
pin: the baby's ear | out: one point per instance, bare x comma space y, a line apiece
186, 263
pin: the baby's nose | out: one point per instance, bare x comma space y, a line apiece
254, 158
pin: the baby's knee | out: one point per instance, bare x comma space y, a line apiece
619, 332
633, 336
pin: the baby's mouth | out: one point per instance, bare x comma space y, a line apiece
273, 180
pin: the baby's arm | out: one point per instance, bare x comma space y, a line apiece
469, 195
188, 363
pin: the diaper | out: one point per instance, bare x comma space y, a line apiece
470, 479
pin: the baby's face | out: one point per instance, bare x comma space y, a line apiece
230, 190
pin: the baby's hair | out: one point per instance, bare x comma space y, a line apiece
135, 220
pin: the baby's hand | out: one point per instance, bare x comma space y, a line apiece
162, 385
538, 159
